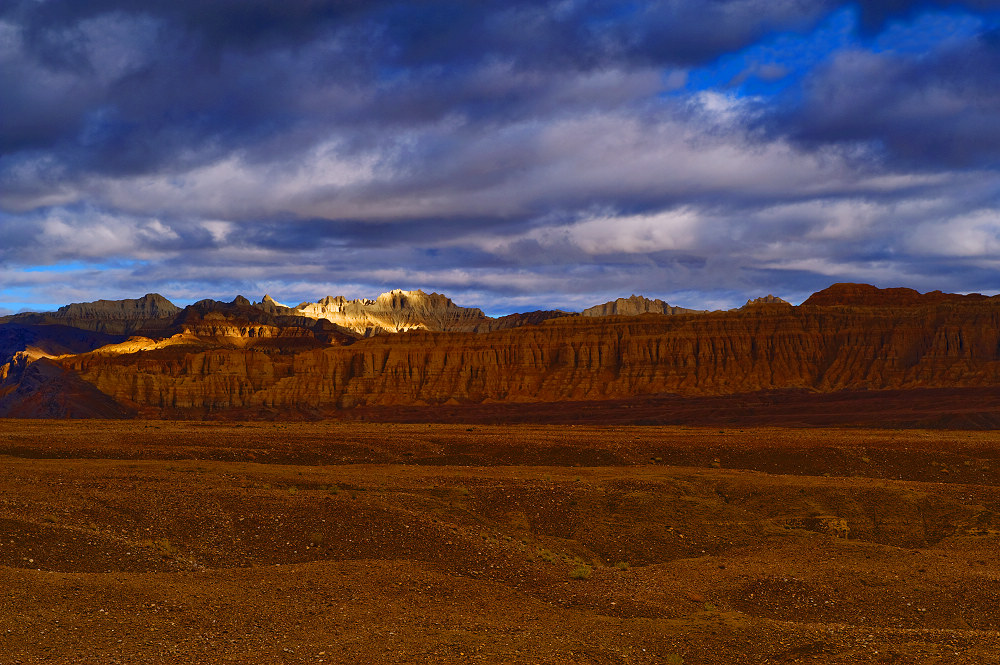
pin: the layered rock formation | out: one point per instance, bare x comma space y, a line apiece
45, 389
818, 348
150, 313
520, 319
392, 312
766, 301
29, 388
634, 305
402, 311
244, 359
866, 295
240, 323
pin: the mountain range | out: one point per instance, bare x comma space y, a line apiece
413, 355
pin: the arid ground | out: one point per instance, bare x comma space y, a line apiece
195, 542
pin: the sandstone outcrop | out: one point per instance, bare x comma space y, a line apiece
634, 305
865, 295
520, 319
392, 312
150, 313
766, 301
47, 390
21, 345
814, 348
241, 358
206, 324
51, 339
240, 323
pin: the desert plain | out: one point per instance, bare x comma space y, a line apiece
348, 542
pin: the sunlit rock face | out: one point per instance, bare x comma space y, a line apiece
766, 301
237, 357
816, 348
392, 312
399, 311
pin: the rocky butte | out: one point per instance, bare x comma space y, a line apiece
412, 350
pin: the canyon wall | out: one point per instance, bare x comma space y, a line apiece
827, 347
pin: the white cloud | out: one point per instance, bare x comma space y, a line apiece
591, 166
563, 157
234, 188
96, 235
972, 235
608, 233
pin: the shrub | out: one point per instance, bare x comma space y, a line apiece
581, 572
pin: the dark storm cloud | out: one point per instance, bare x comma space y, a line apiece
128, 87
930, 111
124, 87
218, 24
445, 31
875, 14
296, 235
120, 86
549, 154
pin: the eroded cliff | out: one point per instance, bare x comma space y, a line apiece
391, 312
634, 305
948, 343
238, 358
149, 313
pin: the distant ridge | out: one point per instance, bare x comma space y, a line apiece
866, 295
240, 359
393, 312
765, 301
150, 306
634, 305
115, 317
400, 310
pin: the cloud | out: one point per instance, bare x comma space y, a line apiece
973, 235
876, 14
514, 174
546, 154
126, 88
919, 110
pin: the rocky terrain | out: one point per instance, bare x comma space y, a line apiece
392, 312
151, 313
499, 510
194, 542
242, 360
634, 305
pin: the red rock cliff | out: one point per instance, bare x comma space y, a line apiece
824, 345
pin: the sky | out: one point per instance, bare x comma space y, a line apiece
512, 155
